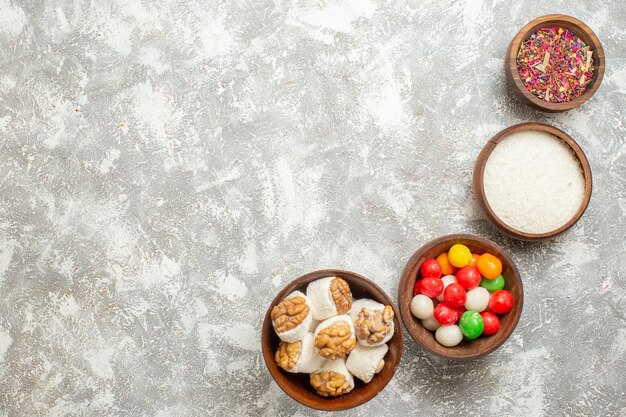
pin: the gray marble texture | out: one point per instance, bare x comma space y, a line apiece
167, 166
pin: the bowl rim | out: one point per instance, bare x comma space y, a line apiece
411, 323
581, 30
479, 172
268, 353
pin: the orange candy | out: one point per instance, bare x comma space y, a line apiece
446, 267
489, 266
474, 259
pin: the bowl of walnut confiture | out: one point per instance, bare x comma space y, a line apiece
331, 339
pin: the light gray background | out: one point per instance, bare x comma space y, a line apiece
166, 167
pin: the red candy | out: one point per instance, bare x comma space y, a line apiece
492, 322
446, 314
431, 287
501, 302
430, 269
468, 277
455, 295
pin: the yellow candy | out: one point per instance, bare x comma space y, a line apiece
459, 255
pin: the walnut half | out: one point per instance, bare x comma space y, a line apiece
335, 341
289, 313
329, 383
340, 291
373, 326
287, 354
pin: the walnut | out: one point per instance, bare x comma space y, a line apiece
329, 383
335, 341
373, 326
289, 313
340, 291
287, 354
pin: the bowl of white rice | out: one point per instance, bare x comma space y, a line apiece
532, 181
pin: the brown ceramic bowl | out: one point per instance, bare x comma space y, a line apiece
484, 344
479, 189
579, 29
297, 386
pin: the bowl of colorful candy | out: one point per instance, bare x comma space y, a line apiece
460, 296
554, 63
331, 339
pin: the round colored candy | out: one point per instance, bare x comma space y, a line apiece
455, 295
447, 280
468, 277
446, 314
477, 299
430, 269
446, 267
432, 287
449, 336
492, 285
431, 324
489, 266
422, 306
492, 323
471, 324
501, 302
459, 255
474, 259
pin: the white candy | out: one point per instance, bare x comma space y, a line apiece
370, 305
319, 293
365, 362
308, 359
447, 280
477, 299
422, 306
449, 336
298, 332
431, 323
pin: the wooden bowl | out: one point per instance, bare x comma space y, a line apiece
479, 189
465, 350
578, 28
297, 386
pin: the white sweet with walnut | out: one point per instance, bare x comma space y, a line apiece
332, 379
320, 292
365, 362
307, 359
298, 332
372, 307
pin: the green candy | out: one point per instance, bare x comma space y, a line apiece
471, 324
492, 285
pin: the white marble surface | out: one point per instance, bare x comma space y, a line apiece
167, 166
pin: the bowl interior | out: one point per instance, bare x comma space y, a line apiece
484, 344
297, 386
579, 29
479, 190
